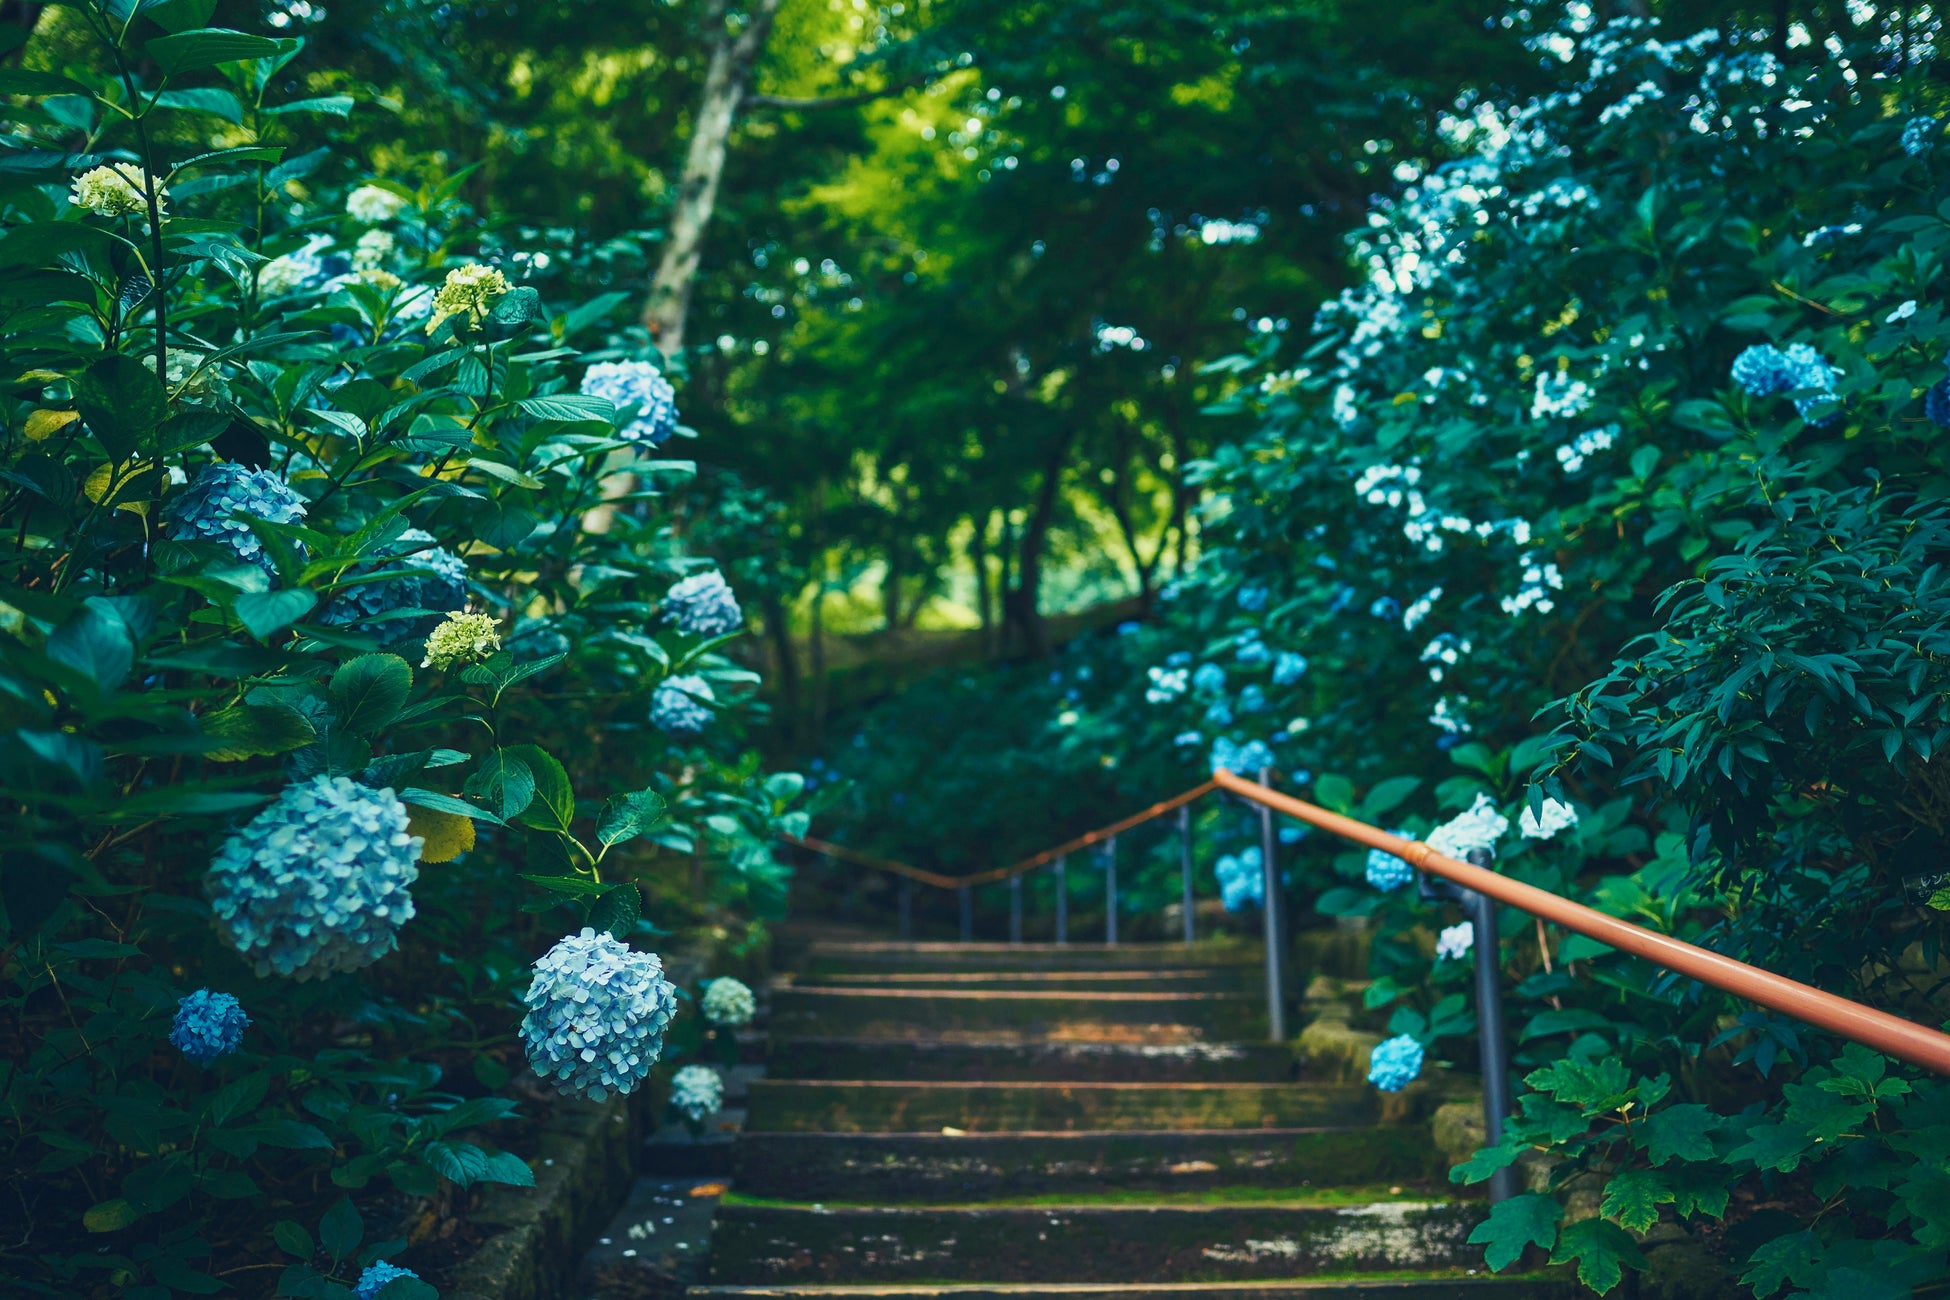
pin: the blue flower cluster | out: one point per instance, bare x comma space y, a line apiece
597, 1012
1243, 760
703, 605
1764, 370
638, 389
1252, 651
377, 1275
1253, 599
320, 881
206, 509
439, 592
1394, 1063
678, 706
208, 1025
1387, 872
1242, 879
1919, 133
1289, 668
1210, 679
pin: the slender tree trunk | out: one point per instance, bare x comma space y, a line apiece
726, 79
890, 588
778, 626
1022, 607
978, 555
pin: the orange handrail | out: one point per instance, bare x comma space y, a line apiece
1892, 1035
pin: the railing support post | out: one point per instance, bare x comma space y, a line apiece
907, 909
1062, 900
1015, 909
1489, 1024
1110, 892
1185, 865
967, 912
1269, 843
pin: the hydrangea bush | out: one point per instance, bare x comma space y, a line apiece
327, 561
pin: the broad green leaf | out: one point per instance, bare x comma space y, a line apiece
617, 910
569, 407
626, 816
206, 47
507, 1167
555, 806
292, 1239
1684, 1132
1633, 1198
330, 105
1513, 1225
122, 401
1387, 795
265, 613
505, 781
577, 886
446, 803
1602, 1249
255, 731
1332, 792
110, 1216
96, 644
368, 692
341, 1230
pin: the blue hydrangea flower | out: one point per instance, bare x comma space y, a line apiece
597, 1012
376, 1276
1919, 133
1210, 679
319, 882
439, 592
1252, 699
1763, 370
1242, 879
1217, 714
1252, 651
1289, 668
679, 706
703, 605
205, 509
208, 1025
1188, 739
1179, 659
696, 1091
638, 390
1394, 1063
1936, 404
1253, 599
1387, 872
1244, 760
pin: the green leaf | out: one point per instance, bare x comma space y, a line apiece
122, 401
406, 1288
569, 407
288, 1135
341, 1230
1793, 1258
1332, 792
179, 15
1602, 1249
1633, 1198
517, 307
264, 613
557, 805
1387, 795
507, 1167
626, 816
96, 644
206, 47
1485, 1161
255, 731
26, 81
617, 910
577, 886
446, 803
1515, 1224
458, 1162
332, 105
369, 692
292, 1239
110, 1216
505, 781
1684, 1132
211, 100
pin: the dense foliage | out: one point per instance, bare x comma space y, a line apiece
338, 585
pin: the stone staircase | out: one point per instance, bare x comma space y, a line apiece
976, 1120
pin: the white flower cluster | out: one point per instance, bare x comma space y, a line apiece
1455, 941
696, 1092
1558, 396
1479, 828
1445, 651
1574, 453
116, 190
1167, 684
1447, 715
1555, 817
1539, 580
729, 1002
371, 205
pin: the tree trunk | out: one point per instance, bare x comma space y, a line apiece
778, 626
978, 555
1021, 607
890, 589
726, 79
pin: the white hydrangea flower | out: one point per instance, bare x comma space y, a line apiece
1556, 817
470, 291
371, 205
372, 250
463, 639
729, 1001
1479, 828
1455, 941
696, 1091
116, 190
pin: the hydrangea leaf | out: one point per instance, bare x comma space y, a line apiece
1514, 1225
617, 910
368, 692
446, 835
554, 806
255, 731
265, 613
626, 816
110, 1216
122, 401
1602, 1249
341, 1229
505, 781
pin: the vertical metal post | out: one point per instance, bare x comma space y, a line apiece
1185, 865
1062, 901
907, 909
1110, 891
1015, 909
1270, 909
967, 912
1489, 1023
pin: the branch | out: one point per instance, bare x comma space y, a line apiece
797, 103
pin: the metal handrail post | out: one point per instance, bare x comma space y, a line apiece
907, 909
1270, 910
1062, 899
1110, 892
967, 912
1489, 1024
1015, 909
1185, 866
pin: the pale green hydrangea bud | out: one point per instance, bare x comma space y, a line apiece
463, 639
115, 190
469, 291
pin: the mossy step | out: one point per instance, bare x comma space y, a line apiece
1077, 1017
775, 1244
892, 1167
908, 1106
1006, 1061
1470, 1283
836, 958
1184, 979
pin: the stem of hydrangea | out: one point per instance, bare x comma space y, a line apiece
149, 188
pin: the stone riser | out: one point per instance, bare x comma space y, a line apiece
1433, 1288
760, 1244
1054, 983
1100, 1017
928, 1167
830, 959
857, 1106
850, 1058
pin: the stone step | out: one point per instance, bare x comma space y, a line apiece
1022, 1015
907, 1106
1007, 1061
1472, 1284
838, 958
1084, 983
892, 1167
770, 1243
